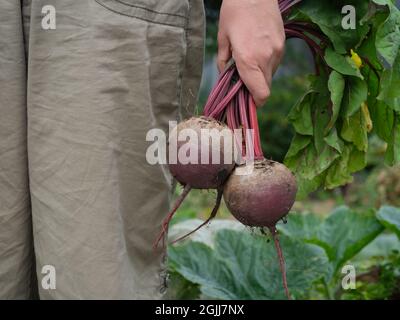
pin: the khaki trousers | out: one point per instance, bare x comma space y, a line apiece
81, 83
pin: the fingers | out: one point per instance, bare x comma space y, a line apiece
256, 69
224, 51
254, 78
255, 66
277, 58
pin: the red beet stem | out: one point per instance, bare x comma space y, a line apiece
232, 121
212, 215
285, 5
258, 154
243, 109
219, 91
305, 27
244, 122
167, 220
222, 105
274, 233
230, 115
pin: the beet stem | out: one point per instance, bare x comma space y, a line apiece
224, 102
274, 233
212, 215
254, 125
167, 220
219, 91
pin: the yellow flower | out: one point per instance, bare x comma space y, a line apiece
367, 117
356, 58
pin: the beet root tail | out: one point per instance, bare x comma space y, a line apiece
212, 216
274, 233
167, 220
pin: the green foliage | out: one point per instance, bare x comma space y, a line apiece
182, 289
390, 218
328, 17
383, 246
342, 235
226, 272
381, 281
345, 101
234, 264
342, 64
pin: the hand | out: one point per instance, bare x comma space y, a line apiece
252, 32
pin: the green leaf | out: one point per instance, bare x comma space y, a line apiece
342, 234
383, 119
306, 186
336, 86
354, 130
301, 226
390, 218
298, 143
392, 156
368, 50
327, 15
308, 163
383, 2
339, 174
355, 93
244, 266
345, 232
300, 115
197, 263
334, 141
357, 160
321, 118
343, 65
207, 234
383, 246
310, 167
390, 84
388, 34
181, 289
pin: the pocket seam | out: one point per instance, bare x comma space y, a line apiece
121, 3
151, 10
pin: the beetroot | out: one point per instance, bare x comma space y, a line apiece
200, 174
262, 192
204, 138
206, 173
262, 197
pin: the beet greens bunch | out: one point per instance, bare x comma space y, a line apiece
353, 94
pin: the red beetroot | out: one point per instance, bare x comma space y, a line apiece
262, 197
204, 138
262, 194
211, 174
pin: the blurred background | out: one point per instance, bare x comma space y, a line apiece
376, 186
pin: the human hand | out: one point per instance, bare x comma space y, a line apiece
252, 32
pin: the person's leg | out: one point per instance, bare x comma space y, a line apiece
109, 72
16, 247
